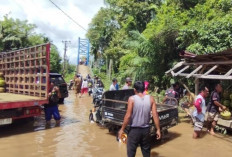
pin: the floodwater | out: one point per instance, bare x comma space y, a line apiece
76, 137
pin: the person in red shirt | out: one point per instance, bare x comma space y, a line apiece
199, 112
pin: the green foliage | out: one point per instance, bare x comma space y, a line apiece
101, 30
69, 77
210, 29
15, 34
55, 60
148, 34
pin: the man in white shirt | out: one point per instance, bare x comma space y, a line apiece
128, 83
113, 85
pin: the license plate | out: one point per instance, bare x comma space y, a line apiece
5, 121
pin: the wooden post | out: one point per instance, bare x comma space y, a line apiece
107, 66
196, 86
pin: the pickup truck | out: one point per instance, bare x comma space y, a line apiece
114, 106
24, 93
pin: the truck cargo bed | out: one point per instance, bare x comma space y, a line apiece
9, 97
10, 101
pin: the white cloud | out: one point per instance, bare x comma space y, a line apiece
52, 22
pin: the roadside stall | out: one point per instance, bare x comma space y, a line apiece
209, 69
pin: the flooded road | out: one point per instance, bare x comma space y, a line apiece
76, 137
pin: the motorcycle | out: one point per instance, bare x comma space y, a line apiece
90, 86
97, 96
97, 101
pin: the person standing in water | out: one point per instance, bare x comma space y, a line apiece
51, 109
138, 115
199, 112
84, 87
77, 85
213, 108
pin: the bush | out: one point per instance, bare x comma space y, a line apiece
69, 77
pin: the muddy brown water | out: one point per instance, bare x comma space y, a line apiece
76, 137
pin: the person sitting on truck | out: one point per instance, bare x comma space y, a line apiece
52, 108
199, 112
138, 115
128, 83
188, 102
172, 92
113, 85
213, 108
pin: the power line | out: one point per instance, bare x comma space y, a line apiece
67, 15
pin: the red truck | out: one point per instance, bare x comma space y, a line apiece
26, 75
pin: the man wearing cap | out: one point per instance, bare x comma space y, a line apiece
128, 83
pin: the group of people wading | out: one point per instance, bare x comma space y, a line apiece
84, 85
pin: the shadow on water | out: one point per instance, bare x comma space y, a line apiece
167, 138
23, 126
156, 143
155, 154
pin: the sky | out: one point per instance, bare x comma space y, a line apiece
52, 22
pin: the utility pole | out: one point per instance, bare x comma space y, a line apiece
65, 50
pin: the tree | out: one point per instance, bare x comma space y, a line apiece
55, 60
151, 33
15, 34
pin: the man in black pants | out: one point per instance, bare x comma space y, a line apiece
138, 116
213, 108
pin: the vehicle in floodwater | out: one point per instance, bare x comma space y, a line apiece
23, 93
114, 106
60, 82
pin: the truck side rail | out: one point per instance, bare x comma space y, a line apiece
26, 71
